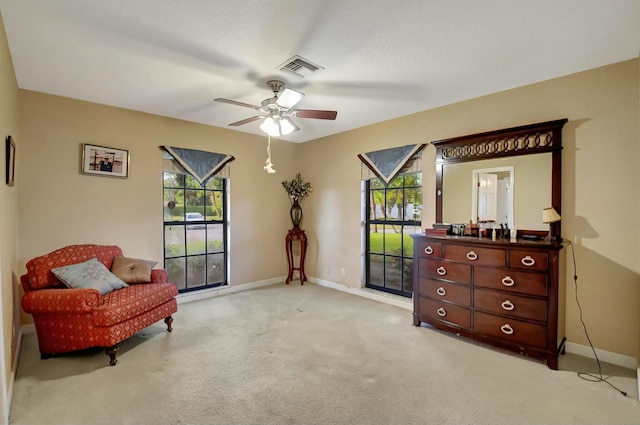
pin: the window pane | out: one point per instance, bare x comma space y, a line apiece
408, 240
377, 204
215, 268
195, 202
191, 182
376, 184
376, 269
394, 199
407, 270
171, 180
376, 238
213, 202
215, 241
393, 240
173, 204
196, 271
175, 270
397, 181
214, 183
392, 274
195, 239
173, 241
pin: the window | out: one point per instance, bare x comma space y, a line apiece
195, 231
393, 213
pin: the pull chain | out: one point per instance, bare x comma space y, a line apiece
268, 167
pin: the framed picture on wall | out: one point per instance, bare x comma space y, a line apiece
11, 160
104, 161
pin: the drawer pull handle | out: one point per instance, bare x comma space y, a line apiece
508, 305
441, 291
508, 281
428, 250
471, 255
528, 261
506, 329
441, 271
441, 312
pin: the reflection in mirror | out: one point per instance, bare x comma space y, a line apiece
529, 186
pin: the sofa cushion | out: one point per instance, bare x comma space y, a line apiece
132, 270
39, 268
129, 302
90, 274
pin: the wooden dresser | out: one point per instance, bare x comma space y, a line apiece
503, 293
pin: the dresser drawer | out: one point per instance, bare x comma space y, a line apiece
510, 304
439, 269
475, 255
439, 290
510, 330
510, 280
530, 260
445, 312
430, 249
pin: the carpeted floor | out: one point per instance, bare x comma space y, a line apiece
308, 355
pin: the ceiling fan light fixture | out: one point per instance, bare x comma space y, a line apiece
276, 126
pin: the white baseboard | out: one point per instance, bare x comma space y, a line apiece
605, 356
224, 290
407, 303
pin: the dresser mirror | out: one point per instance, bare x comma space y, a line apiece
520, 165
510, 191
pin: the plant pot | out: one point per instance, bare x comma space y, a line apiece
296, 213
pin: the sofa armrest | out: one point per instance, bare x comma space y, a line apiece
159, 276
58, 301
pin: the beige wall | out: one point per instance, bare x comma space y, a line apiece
8, 217
600, 207
60, 206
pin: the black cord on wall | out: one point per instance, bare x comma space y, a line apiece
584, 375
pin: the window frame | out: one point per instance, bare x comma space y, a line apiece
405, 255
189, 184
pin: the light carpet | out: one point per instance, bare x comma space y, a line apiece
307, 355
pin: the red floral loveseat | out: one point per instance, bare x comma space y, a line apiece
69, 319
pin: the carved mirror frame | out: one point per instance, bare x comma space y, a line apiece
523, 140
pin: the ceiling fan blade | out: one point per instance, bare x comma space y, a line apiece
234, 102
288, 98
314, 113
246, 121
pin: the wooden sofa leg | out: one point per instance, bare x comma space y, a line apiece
168, 321
45, 356
111, 352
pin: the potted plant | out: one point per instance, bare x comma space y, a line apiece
297, 189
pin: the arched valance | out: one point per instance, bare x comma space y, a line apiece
202, 165
386, 164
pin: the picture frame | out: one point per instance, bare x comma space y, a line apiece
105, 161
10, 161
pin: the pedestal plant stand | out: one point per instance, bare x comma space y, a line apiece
297, 189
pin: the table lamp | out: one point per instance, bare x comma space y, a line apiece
549, 216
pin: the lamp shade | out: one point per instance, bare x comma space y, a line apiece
275, 126
550, 215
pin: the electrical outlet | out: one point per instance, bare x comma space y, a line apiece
343, 272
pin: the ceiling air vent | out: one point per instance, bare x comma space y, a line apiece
300, 66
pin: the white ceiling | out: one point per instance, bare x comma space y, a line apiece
382, 58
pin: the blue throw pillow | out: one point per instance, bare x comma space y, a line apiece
90, 274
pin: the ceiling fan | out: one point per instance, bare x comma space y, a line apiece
277, 110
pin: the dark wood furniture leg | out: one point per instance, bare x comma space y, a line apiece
168, 321
111, 352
